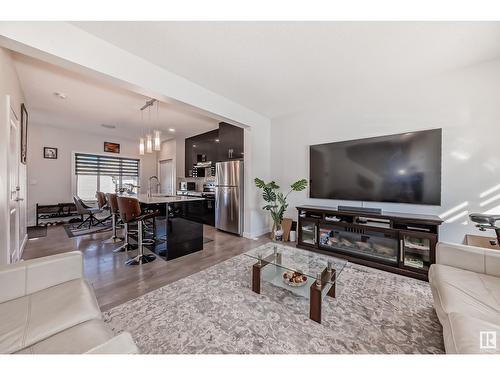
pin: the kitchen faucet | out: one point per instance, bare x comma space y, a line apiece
157, 185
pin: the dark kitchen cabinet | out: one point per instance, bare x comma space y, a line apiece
206, 146
188, 159
230, 142
223, 144
200, 148
202, 211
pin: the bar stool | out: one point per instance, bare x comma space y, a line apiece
113, 208
126, 231
130, 212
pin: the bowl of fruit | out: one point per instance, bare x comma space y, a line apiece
294, 278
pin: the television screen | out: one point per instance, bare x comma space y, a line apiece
403, 168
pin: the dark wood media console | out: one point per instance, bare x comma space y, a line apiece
391, 241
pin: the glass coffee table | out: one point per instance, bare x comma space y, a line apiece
315, 274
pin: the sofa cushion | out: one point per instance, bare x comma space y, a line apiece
473, 294
75, 340
35, 317
465, 335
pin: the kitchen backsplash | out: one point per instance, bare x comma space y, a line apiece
198, 180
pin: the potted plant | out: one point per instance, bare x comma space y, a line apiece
276, 201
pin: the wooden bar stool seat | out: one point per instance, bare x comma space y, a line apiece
130, 212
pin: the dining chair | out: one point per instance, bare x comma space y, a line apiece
83, 209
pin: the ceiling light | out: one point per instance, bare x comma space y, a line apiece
217, 140
60, 95
108, 126
171, 130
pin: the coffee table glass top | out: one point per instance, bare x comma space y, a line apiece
308, 263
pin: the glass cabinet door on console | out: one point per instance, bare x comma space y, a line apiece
379, 244
308, 232
417, 250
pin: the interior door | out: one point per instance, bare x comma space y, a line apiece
167, 177
14, 188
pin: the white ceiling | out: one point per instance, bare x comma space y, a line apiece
276, 68
90, 103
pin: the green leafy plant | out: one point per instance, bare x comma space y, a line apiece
275, 199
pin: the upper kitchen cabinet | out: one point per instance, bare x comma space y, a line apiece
223, 144
230, 142
201, 148
188, 156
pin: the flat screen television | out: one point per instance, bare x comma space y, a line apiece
402, 168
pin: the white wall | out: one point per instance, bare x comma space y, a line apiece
464, 103
49, 181
9, 85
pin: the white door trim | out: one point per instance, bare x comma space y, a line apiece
14, 202
5, 188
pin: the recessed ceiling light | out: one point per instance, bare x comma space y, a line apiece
108, 126
60, 95
172, 130
217, 140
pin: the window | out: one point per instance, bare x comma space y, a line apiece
103, 173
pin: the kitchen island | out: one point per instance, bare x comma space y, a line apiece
175, 233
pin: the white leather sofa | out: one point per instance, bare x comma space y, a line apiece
47, 307
465, 284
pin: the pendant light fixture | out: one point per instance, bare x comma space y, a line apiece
149, 143
146, 139
149, 139
157, 141
141, 139
141, 146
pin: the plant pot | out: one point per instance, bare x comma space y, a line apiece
277, 233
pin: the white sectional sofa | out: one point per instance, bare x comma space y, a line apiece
47, 307
465, 284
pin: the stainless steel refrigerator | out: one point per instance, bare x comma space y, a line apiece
229, 196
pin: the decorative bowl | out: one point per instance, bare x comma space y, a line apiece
294, 279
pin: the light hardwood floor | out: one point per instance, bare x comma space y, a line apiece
114, 283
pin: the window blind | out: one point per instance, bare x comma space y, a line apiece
87, 164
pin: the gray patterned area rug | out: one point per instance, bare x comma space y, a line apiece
215, 311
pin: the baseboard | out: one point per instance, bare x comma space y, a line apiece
256, 234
